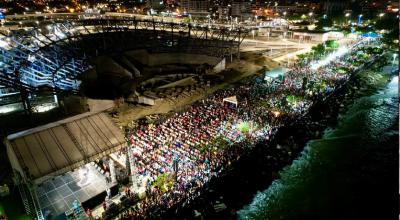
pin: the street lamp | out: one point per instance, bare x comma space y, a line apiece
310, 15
347, 15
359, 18
394, 57
288, 58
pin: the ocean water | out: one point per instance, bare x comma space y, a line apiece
350, 173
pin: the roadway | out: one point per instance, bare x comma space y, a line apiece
279, 49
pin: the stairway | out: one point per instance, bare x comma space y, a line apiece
30, 201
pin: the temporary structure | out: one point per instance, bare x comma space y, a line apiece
49, 150
277, 73
231, 99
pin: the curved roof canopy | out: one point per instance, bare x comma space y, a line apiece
61, 146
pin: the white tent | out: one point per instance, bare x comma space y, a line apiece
231, 99
61, 146
275, 73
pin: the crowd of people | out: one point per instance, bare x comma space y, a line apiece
184, 145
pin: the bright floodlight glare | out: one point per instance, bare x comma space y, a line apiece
340, 52
59, 33
7, 109
3, 44
45, 107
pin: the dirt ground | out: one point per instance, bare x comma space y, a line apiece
250, 63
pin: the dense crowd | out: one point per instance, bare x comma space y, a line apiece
178, 145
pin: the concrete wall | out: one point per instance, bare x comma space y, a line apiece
142, 56
220, 66
145, 58
106, 65
319, 37
98, 105
146, 100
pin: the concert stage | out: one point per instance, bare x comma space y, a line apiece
57, 195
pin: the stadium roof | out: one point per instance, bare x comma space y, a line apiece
58, 147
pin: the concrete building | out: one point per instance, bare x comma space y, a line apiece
334, 6
223, 12
197, 8
241, 10
316, 36
154, 4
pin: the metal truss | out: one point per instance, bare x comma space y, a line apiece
55, 55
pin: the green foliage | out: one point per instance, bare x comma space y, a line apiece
387, 22
217, 143
244, 127
203, 147
187, 20
391, 37
318, 50
332, 44
302, 56
164, 182
324, 23
292, 98
342, 70
220, 142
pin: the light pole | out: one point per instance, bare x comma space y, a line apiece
311, 14
284, 38
394, 58
347, 15
381, 15
359, 19
290, 56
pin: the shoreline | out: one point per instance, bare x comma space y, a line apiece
293, 136
319, 108
349, 163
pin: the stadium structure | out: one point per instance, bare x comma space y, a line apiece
53, 56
